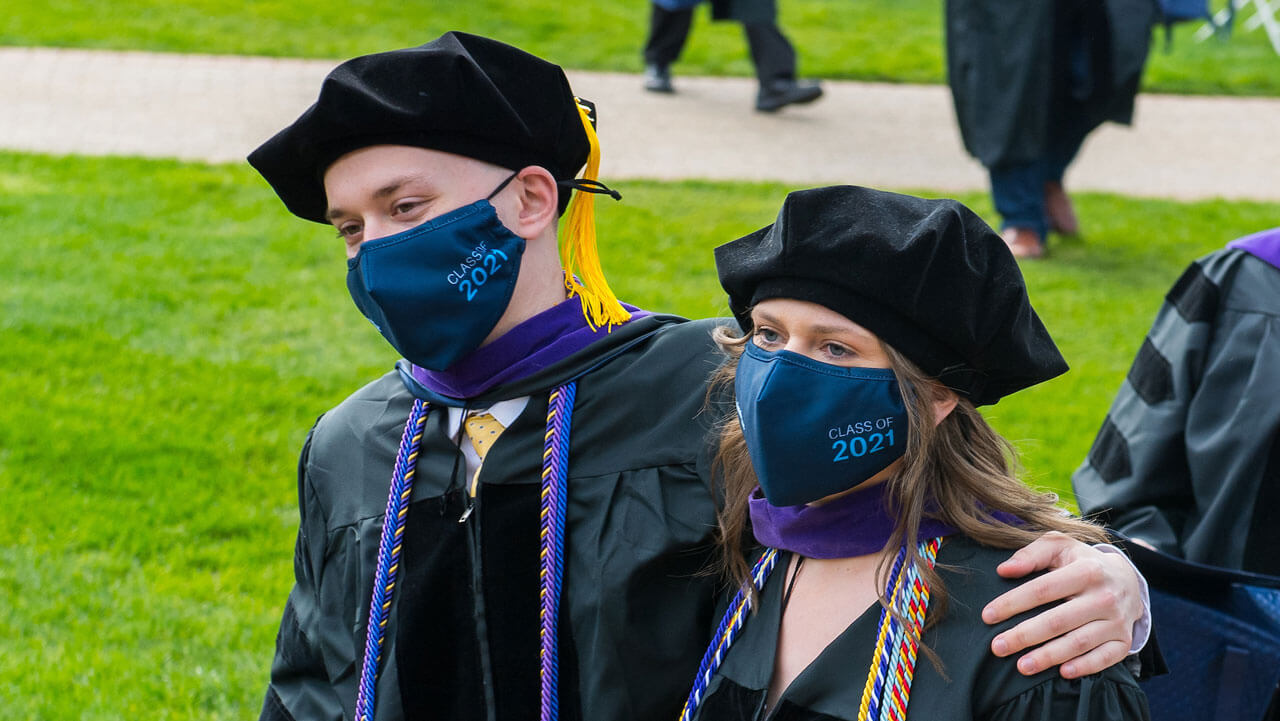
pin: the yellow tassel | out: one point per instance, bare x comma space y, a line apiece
578, 253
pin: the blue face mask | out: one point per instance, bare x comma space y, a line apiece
814, 429
436, 291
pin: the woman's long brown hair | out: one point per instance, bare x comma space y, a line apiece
961, 468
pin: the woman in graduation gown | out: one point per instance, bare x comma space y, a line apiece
876, 498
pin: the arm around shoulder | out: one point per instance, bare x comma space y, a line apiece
1102, 599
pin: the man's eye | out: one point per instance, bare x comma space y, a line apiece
406, 207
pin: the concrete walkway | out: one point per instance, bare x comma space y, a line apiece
218, 108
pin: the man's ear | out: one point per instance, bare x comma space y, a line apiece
536, 195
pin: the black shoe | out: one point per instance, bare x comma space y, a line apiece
657, 79
773, 96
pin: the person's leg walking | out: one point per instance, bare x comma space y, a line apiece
1073, 89
771, 52
775, 60
668, 32
1058, 207
1065, 140
1017, 191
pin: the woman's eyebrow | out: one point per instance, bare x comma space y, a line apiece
819, 329
762, 317
833, 330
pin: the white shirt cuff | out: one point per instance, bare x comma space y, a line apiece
1141, 627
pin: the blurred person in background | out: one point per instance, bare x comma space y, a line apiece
1030, 80
772, 54
1188, 457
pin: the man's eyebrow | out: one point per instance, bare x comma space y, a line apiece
386, 190
397, 184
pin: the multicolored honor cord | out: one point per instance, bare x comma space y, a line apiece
555, 468
893, 663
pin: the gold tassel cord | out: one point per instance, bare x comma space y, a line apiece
579, 255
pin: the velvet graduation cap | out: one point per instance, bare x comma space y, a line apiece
928, 277
460, 94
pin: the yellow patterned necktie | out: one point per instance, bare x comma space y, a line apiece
482, 430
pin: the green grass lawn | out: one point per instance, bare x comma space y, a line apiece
861, 39
168, 334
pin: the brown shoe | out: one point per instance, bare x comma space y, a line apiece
1057, 205
1023, 242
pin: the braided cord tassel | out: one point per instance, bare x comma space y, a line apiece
914, 604
735, 618
874, 687
384, 579
554, 501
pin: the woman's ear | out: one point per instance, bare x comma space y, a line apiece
537, 195
944, 403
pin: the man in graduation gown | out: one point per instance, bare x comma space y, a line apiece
515, 522
1188, 458
1030, 81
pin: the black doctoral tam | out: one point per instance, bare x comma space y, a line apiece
460, 93
928, 277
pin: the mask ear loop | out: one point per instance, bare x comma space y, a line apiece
502, 185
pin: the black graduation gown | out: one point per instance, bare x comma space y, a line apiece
978, 685
1008, 77
462, 640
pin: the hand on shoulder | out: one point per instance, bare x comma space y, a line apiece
1090, 630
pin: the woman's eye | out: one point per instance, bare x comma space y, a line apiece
766, 335
837, 351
